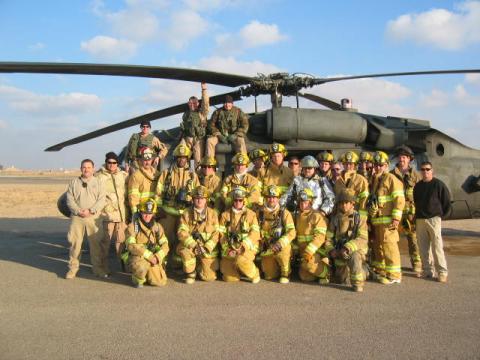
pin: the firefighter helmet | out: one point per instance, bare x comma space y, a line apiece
238, 192
325, 156
366, 156
309, 162
306, 194
258, 153
380, 158
405, 150
347, 195
271, 191
277, 148
240, 159
349, 157
145, 153
148, 206
208, 161
182, 151
200, 192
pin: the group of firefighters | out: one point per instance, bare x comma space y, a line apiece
265, 218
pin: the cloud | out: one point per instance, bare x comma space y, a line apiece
231, 65
185, 26
47, 105
472, 79
439, 28
464, 97
254, 34
134, 24
3, 124
436, 98
109, 48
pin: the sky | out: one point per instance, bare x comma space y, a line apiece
322, 38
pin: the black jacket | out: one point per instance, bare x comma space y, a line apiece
431, 199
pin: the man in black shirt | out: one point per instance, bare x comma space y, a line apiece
432, 202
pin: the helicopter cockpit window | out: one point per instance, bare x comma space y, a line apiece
440, 150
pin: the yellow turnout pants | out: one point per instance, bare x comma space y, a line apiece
276, 265
206, 267
386, 254
232, 268
143, 271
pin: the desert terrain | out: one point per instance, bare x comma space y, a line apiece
45, 316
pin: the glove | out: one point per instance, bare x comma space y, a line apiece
306, 257
199, 250
222, 139
372, 211
232, 138
276, 248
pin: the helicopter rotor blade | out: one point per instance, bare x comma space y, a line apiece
322, 101
160, 72
155, 115
319, 81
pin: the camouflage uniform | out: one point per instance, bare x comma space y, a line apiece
138, 141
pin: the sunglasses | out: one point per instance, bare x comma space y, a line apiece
111, 162
206, 167
426, 169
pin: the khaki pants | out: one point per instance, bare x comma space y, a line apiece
238, 145
232, 268
93, 227
353, 267
413, 249
115, 231
206, 267
431, 246
197, 146
143, 271
170, 225
313, 269
386, 254
274, 266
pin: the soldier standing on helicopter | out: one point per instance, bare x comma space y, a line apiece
194, 124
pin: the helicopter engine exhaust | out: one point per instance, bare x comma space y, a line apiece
287, 123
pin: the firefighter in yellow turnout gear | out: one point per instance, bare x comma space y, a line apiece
241, 177
350, 179
239, 237
173, 194
142, 183
147, 247
311, 228
385, 207
198, 238
276, 173
277, 231
210, 180
409, 177
347, 241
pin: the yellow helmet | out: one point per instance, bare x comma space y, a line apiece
347, 195
380, 158
306, 194
271, 191
148, 206
208, 161
238, 192
258, 153
240, 159
349, 157
200, 192
182, 151
366, 156
277, 148
325, 156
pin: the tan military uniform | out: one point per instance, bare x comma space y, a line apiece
248, 182
194, 127
141, 186
281, 176
114, 213
407, 225
391, 201
213, 183
311, 228
92, 197
170, 182
228, 122
206, 224
138, 141
242, 224
356, 182
275, 265
342, 228
144, 243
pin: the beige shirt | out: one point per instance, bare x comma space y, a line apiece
90, 196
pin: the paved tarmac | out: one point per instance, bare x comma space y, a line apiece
43, 316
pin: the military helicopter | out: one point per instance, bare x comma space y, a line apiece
303, 131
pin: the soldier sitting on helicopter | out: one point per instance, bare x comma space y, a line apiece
229, 125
